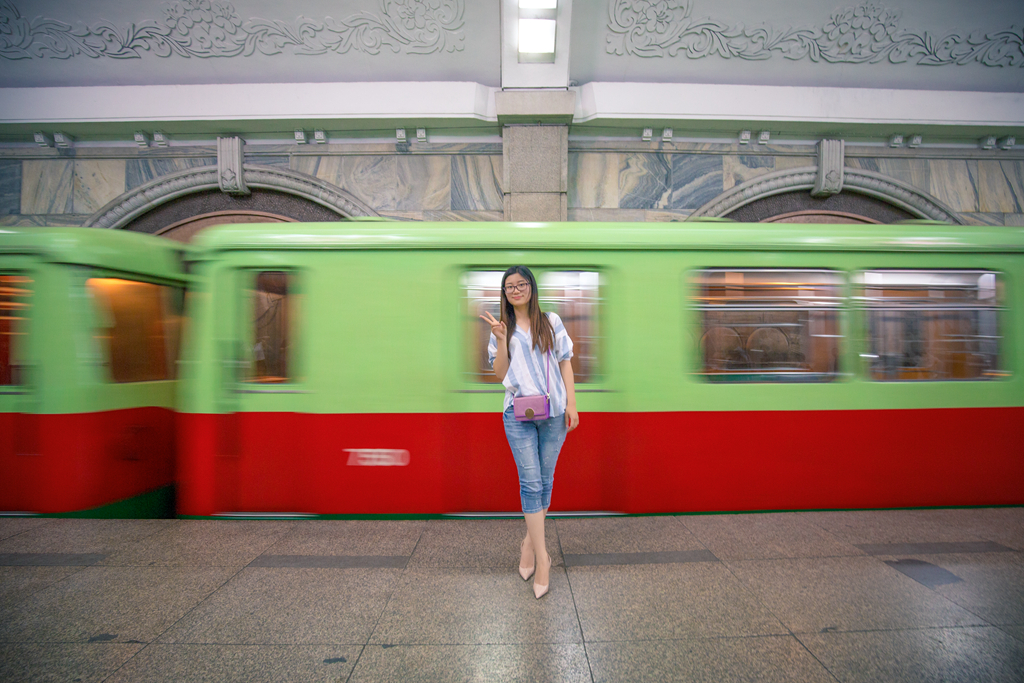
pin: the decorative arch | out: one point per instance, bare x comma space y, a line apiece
143, 199
902, 195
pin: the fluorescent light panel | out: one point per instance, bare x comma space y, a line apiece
537, 36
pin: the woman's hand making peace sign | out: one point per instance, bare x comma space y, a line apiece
497, 326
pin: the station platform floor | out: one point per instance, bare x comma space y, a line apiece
863, 596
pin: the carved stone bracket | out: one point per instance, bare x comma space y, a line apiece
890, 190
130, 205
831, 159
230, 158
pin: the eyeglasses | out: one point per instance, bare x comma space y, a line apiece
521, 287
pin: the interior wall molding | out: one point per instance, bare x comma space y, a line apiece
863, 34
889, 190
205, 28
130, 205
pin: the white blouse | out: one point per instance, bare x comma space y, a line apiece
526, 368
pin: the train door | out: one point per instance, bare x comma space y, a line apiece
19, 387
261, 458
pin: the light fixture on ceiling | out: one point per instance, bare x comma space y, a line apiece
160, 139
141, 139
895, 140
300, 136
915, 141
537, 31
62, 139
987, 142
647, 134
744, 137
421, 135
1007, 142
320, 136
666, 135
42, 139
763, 137
400, 134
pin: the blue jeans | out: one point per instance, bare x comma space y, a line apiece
535, 446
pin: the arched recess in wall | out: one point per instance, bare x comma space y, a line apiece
866, 197
180, 204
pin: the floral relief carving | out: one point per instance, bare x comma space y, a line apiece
210, 28
867, 33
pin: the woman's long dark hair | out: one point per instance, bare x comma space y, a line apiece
540, 327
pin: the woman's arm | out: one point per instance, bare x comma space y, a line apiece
572, 418
501, 347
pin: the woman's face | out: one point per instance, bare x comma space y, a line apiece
517, 289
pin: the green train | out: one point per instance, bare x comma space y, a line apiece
89, 330
340, 369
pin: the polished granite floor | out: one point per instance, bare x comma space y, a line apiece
907, 595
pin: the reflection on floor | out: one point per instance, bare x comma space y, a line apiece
889, 595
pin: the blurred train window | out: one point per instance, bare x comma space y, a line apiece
139, 327
574, 295
272, 307
15, 298
768, 325
932, 324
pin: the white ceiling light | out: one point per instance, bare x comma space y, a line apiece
537, 30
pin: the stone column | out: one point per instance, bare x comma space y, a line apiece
535, 146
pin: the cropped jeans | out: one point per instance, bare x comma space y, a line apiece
535, 446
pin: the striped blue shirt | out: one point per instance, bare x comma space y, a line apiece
525, 376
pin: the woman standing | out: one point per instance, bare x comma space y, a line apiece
524, 347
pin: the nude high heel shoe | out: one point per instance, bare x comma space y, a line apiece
540, 591
526, 572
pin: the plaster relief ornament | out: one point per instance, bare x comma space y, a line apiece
867, 33
208, 28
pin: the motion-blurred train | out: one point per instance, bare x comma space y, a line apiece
340, 369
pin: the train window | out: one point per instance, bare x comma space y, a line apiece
138, 328
272, 306
574, 295
769, 325
15, 297
931, 324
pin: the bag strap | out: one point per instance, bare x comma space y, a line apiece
547, 381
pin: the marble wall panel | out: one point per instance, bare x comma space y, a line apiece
476, 182
666, 216
955, 183
786, 163
1001, 186
645, 181
97, 182
305, 164
978, 218
10, 186
43, 221
267, 160
607, 215
594, 180
47, 185
915, 172
424, 183
696, 180
737, 170
141, 171
461, 216
1014, 219
372, 180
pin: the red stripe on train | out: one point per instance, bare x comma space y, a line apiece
628, 462
66, 463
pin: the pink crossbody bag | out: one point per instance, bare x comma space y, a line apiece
528, 408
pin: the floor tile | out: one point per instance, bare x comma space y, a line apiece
960, 655
127, 603
765, 536
476, 606
478, 543
84, 535
526, 662
992, 585
290, 606
202, 543
664, 601
591, 535
18, 583
350, 537
889, 526
1015, 630
763, 659
849, 593
12, 526
248, 663
1002, 525
38, 662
